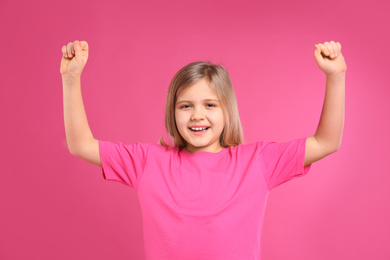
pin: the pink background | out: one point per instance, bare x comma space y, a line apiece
57, 206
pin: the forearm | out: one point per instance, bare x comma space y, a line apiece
77, 128
330, 127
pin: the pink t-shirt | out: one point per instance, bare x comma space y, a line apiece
203, 206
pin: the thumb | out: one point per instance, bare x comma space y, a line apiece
81, 52
317, 51
84, 46
317, 54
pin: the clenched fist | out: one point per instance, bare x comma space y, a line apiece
329, 58
74, 58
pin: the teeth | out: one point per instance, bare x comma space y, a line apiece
198, 128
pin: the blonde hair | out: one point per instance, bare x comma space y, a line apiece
219, 80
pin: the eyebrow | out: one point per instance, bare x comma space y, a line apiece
188, 101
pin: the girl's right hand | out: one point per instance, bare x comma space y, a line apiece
74, 58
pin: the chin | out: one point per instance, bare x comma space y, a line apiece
199, 146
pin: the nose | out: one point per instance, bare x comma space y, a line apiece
197, 115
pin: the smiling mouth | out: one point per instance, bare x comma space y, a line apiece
199, 129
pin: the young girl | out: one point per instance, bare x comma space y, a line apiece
205, 197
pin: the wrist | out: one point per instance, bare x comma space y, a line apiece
336, 76
70, 78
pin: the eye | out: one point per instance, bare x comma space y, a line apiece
210, 105
185, 106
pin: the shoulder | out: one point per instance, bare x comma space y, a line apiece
250, 148
161, 150
264, 145
133, 147
253, 145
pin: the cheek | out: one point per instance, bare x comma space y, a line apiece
180, 119
218, 119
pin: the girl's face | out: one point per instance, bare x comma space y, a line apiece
199, 118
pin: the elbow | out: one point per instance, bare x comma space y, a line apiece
76, 152
338, 146
326, 151
334, 148
73, 151
330, 148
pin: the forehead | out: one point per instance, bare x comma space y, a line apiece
198, 91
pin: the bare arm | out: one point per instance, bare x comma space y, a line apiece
80, 140
327, 138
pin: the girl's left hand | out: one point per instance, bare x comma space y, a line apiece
329, 58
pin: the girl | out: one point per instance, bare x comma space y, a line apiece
205, 197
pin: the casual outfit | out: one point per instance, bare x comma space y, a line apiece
203, 206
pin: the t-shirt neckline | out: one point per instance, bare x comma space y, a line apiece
203, 153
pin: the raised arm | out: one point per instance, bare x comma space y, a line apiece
327, 138
80, 140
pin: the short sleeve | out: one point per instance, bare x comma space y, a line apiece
123, 162
281, 162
